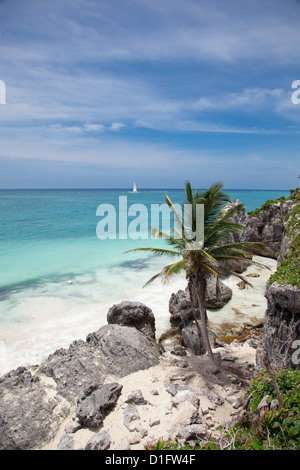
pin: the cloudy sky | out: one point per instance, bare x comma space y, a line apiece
103, 92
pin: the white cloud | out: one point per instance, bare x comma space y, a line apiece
116, 126
92, 127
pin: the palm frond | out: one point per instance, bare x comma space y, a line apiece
156, 251
170, 270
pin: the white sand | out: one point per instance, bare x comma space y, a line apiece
160, 406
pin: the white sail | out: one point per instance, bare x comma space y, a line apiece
134, 188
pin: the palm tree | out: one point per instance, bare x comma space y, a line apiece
216, 257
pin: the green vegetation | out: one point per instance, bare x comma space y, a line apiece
264, 429
289, 270
266, 206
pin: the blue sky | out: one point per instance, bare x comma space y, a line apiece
100, 93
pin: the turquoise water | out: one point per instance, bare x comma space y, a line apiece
56, 275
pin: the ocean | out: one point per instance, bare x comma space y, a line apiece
58, 279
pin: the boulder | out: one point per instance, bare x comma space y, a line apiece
95, 401
99, 441
180, 306
136, 397
134, 314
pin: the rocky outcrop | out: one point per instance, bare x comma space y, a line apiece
265, 225
34, 402
281, 335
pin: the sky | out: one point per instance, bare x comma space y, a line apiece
101, 93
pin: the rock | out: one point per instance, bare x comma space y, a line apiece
241, 285
134, 439
236, 402
124, 445
130, 414
212, 301
186, 414
66, 442
193, 431
154, 422
29, 413
193, 339
263, 404
99, 441
182, 377
173, 389
204, 410
113, 349
73, 427
95, 402
134, 314
274, 404
281, 326
136, 397
215, 398
180, 308
186, 396
180, 304
179, 350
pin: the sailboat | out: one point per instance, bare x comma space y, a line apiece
134, 190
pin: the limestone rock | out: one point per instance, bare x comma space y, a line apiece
134, 314
113, 349
29, 415
130, 414
99, 441
136, 397
95, 401
193, 431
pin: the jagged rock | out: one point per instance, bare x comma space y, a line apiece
73, 427
281, 327
130, 414
215, 398
193, 431
154, 422
113, 349
99, 441
66, 442
134, 314
95, 402
29, 414
33, 406
236, 402
186, 396
186, 414
136, 397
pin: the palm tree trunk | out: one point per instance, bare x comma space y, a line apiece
197, 290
